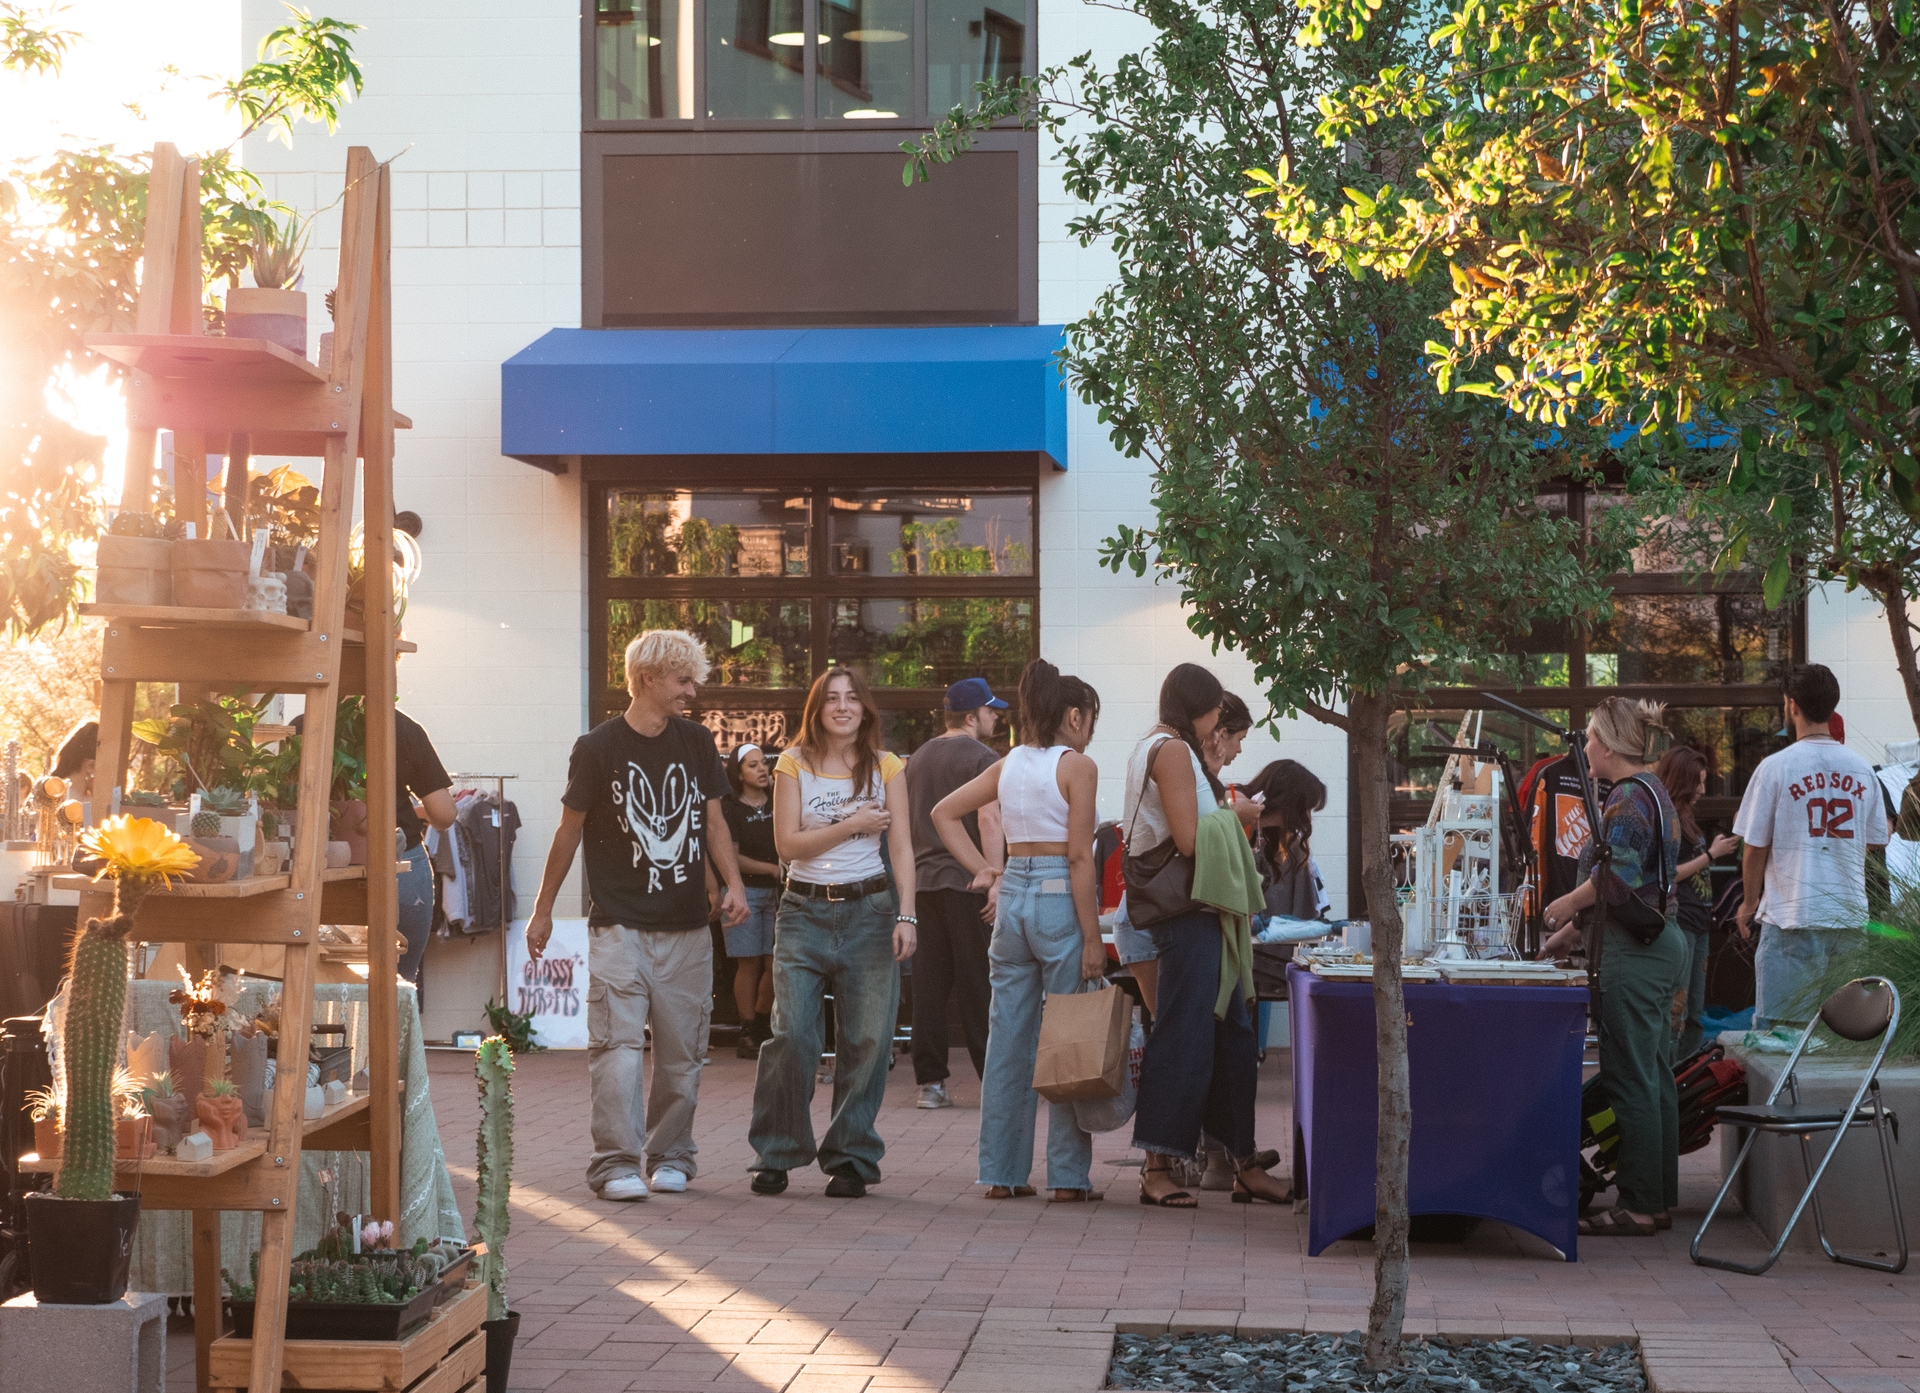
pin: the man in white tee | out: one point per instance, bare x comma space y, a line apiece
1808, 819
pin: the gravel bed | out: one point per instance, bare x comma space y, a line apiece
1332, 1364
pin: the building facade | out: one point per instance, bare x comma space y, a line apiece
680, 348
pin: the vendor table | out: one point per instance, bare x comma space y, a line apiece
1495, 1074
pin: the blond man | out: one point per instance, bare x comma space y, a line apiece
643, 792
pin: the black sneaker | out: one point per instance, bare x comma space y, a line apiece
846, 1185
769, 1182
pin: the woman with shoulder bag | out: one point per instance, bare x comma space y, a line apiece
1643, 962
1199, 1069
1046, 936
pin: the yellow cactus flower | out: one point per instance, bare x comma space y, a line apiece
139, 849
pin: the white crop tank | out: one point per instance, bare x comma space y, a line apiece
1032, 808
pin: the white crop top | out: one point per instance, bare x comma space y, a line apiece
1032, 808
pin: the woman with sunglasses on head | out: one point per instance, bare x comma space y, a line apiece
749, 814
843, 926
1046, 936
1643, 961
1201, 1062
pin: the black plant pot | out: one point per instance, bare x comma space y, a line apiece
500, 1337
81, 1248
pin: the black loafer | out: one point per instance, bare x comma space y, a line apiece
769, 1182
846, 1184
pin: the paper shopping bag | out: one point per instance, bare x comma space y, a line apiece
1083, 1046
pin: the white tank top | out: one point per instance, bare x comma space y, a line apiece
1144, 821
1032, 808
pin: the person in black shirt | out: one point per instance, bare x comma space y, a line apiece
1684, 772
749, 814
643, 792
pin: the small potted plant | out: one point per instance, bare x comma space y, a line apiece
134, 562
273, 309
221, 1114
171, 1111
348, 821
43, 1106
81, 1233
492, 1217
206, 1015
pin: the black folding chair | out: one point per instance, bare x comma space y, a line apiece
1864, 1009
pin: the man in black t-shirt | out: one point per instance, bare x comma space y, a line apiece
643, 792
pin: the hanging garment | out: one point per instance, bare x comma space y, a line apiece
490, 828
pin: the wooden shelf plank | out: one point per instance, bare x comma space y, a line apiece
205, 357
182, 616
242, 889
252, 1149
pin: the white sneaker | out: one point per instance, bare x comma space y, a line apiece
625, 1187
935, 1095
670, 1180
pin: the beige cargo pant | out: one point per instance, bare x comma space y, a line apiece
639, 977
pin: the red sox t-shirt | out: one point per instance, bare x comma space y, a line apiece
1817, 805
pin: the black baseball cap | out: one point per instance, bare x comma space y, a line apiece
972, 693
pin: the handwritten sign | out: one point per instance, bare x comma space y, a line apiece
554, 989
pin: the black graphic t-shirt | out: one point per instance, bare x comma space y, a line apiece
752, 830
645, 798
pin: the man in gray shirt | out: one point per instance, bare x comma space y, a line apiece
955, 921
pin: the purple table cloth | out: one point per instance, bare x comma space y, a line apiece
1496, 1104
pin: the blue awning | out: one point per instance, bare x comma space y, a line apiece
583, 392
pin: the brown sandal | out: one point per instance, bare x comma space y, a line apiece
1173, 1199
1245, 1194
1074, 1196
1011, 1192
1617, 1223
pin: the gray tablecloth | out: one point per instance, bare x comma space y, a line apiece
163, 1248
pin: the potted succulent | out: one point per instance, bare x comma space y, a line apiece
43, 1106
134, 562
236, 818
273, 309
275, 848
493, 1157
221, 1114
81, 1233
171, 1110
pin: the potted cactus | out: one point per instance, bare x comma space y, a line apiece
81, 1233
493, 1156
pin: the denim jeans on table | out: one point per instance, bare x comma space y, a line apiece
639, 978
416, 911
1197, 1071
845, 946
1035, 952
1789, 966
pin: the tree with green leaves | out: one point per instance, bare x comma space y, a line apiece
71, 230
1360, 536
1699, 218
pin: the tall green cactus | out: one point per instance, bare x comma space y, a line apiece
493, 1066
89, 1049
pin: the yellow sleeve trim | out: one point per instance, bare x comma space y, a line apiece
788, 764
890, 766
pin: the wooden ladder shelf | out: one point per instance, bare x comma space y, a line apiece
246, 397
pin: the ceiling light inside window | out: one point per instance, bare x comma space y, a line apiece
877, 36
869, 114
792, 38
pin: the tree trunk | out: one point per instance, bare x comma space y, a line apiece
1886, 588
1387, 1316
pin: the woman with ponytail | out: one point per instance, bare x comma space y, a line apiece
1642, 961
1046, 937
1202, 1057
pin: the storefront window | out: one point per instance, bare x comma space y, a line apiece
921, 588
971, 43
866, 60
756, 60
1687, 638
644, 55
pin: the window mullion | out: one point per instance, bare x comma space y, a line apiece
810, 65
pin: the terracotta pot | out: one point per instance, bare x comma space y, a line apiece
349, 825
211, 574
225, 1120
187, 1058
278, 316
134, 571
172, 1119
132, 1138
46, 1135
219, 860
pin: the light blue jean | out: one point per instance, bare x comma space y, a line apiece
1789, 966
753, 937
1035, 950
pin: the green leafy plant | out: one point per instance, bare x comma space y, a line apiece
43, 1104
286, 504
278, 248
211, 741
515, 1027
493, 1158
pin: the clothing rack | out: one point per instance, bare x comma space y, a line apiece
499, 782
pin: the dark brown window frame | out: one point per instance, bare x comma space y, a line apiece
1578, 698
821, 474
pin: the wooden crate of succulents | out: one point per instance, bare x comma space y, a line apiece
356, 1285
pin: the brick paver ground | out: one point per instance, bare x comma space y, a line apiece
925, 1285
